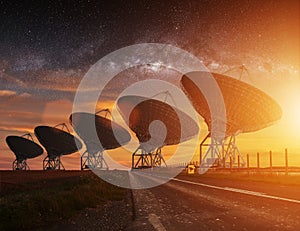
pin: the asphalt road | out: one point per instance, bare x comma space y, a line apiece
214, 204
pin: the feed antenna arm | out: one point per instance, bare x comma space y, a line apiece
243, 71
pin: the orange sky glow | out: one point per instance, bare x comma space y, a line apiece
284, 134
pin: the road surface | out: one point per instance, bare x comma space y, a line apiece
217, 204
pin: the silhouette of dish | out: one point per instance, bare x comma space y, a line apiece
56, 141
85, 124
139, 112
23, 148
248, 109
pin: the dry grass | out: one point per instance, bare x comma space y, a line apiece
33, 199
253, 176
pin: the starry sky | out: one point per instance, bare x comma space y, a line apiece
45, 49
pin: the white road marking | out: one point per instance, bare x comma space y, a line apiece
155, 222
253, 193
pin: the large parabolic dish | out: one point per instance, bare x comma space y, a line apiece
156, 124
23, 149
139, 112
98, 133
106, 131
248, 109
57, 142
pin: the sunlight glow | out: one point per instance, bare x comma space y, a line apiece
292, 110
295, 115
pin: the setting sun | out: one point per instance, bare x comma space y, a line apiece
291, 107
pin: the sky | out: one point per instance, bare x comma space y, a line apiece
46, 49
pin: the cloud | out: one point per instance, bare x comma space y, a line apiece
6, 93
46, 85
9, 81
18, 130
9, 93
25, 95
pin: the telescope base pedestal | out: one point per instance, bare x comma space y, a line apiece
53, 163
93, 161
142, 159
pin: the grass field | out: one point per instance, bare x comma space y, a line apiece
32, 199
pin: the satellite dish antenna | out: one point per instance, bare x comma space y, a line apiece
243, 71
84, 125
156, 124
57, 142
248, 109
24, 148
167, 95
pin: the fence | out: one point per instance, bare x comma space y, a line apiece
249, 167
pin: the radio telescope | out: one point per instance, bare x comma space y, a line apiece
24, 148
104, 138
248, 109
156, 124
57, 142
